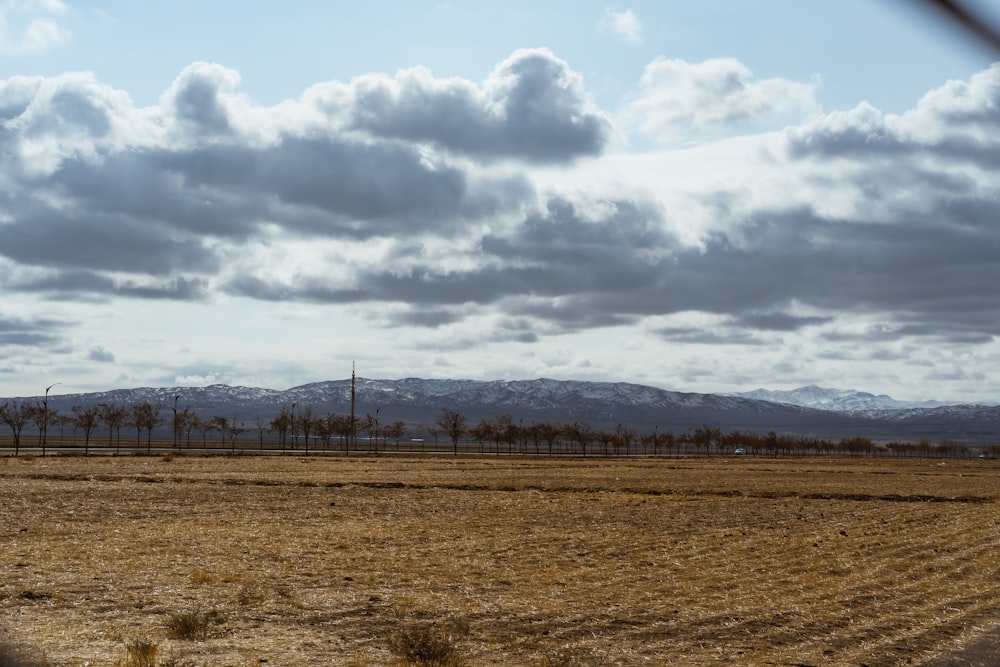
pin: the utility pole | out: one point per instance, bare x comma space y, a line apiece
45, 417
353, 438
176, 429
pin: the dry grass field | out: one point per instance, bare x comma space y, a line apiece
294, 561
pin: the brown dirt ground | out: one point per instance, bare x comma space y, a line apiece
313, 561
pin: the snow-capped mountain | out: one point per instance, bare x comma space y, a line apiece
415, 400
812, 411
838, 400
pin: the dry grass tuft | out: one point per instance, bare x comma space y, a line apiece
194, 625
201, 576
138, 653
424, 645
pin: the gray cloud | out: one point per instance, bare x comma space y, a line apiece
925, 278
777, 321
66, 285
95, 187
33, 332
197, 99
75, 240
531, 107
956, 122
701, 336
100, 355
16, 94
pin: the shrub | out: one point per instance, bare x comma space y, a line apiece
138, 653
425, 646
194, 625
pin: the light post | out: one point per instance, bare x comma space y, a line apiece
376, 428
176, 430
295, 434
45, 416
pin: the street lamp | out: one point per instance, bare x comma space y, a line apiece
176, 430
377, 410
45, 417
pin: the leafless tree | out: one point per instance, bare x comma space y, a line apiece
262, 428
145, 417
281, 425
482, 433
235, 429
113, 417
14, 415
453, 423
305, 423
580, 434
86, 419
395, 430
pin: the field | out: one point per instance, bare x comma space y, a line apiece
499, 561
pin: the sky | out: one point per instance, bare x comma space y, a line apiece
707, 196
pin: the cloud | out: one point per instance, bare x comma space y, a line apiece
956, 122
199, 100
100, 355
28, 26
777, 321
446, 205
778, 273
531, 107
676, 98
623, 23
30, 332
104, 197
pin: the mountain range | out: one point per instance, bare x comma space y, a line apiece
807, 411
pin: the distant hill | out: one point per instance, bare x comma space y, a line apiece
838, 400
811, 411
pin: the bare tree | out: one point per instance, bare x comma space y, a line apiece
184, 422
221, 424
579, 433
145, 417
306, 423
113, 417
453, 423
482, 432
395, 430
234, 430
281, 425
15, 415
37, 414
204, 425
370, 426
261, 428
86, 419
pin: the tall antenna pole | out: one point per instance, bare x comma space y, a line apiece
354, 434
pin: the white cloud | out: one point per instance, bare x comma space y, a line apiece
678, 99
27, 26
625, 24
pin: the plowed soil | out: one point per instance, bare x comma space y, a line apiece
316, 561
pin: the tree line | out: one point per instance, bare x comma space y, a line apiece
288, 429
305, 429
504, 435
